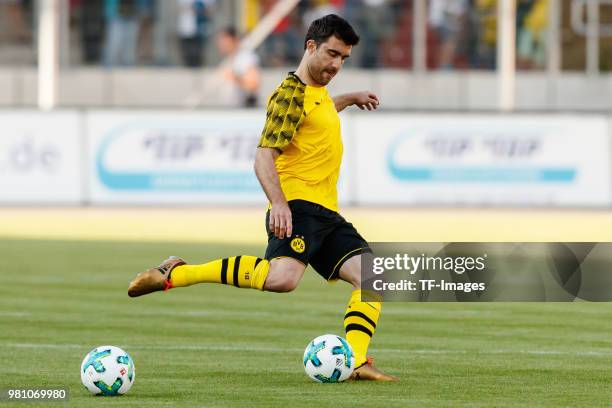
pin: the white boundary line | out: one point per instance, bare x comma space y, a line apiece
250, 348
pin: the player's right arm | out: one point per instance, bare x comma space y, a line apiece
265, 169
284, 115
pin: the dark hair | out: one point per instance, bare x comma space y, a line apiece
323, 28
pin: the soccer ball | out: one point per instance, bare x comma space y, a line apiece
108, 370
329, 359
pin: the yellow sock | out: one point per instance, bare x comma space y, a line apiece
360, 321
244, 271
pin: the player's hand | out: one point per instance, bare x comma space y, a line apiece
280, 220
366, 100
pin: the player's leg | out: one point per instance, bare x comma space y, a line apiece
360, 317
340, 258
245, 271
360, 320
281, 274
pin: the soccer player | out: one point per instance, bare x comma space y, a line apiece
298, 164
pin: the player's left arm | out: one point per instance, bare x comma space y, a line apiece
363, 100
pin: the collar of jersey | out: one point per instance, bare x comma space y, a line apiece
319, 91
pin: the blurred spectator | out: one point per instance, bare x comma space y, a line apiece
484, 18
16, 33
164, 31
282, 47
532, 22
192, 29
240, 73
91, 30
376, 25
144, 41
122, 25
397, 50
13, 26
447, 18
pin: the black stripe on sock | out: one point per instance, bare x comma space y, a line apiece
257, 262
236, 267
224, 271
362, 315
358, 327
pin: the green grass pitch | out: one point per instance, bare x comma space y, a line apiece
217, 346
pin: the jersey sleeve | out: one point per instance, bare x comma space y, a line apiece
285, 113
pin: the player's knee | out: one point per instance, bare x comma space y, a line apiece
351, 271
287, 286
283, 279
355, 280
282, 284
352, 277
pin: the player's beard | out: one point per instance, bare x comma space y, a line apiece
322, 75
327, 75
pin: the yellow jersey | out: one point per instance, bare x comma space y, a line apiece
303, 124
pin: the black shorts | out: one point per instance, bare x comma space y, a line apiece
321, 237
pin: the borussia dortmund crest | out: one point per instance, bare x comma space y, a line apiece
298, 244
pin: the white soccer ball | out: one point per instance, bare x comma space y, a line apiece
329, 359
108, 370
